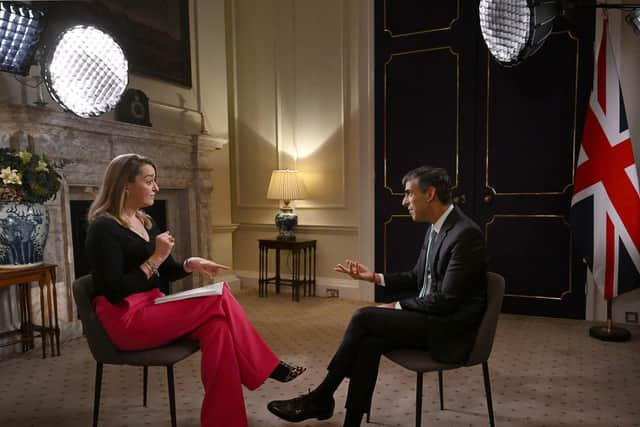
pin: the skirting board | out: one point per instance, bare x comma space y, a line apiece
347, 289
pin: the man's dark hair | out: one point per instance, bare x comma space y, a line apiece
429, 176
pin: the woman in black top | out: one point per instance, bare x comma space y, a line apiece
131, 264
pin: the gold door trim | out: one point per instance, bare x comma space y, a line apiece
548, 216
487, 184
385, 138
384, 252
430, 30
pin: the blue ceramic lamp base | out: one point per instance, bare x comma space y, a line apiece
286, 221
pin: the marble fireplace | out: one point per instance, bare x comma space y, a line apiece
185, 177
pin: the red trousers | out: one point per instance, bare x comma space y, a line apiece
233, 353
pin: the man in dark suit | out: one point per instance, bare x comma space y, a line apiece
449, 287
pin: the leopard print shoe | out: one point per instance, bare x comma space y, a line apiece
285, 372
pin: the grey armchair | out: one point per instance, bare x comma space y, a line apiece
421, 361
103, 350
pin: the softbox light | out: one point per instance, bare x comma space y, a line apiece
20, 30
85, 71
633, 19
515, 29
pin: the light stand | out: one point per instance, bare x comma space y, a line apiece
609, 332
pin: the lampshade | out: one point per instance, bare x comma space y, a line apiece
286, 185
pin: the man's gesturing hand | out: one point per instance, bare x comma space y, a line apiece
356, 271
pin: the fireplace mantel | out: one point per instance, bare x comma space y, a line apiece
185, 174
96, 141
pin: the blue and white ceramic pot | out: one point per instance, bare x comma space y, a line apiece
286, 221
23, 234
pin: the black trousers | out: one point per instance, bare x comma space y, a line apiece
373, 331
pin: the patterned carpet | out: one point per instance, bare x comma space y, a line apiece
544, 372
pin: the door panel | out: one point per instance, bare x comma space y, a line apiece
419, 16
531, 115
537, 243
426, 133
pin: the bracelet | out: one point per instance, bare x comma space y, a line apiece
152, 267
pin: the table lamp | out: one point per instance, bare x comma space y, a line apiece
286, 185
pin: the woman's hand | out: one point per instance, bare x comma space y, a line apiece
164, 246
204, 266
356, 271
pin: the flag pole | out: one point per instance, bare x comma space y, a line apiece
609, 332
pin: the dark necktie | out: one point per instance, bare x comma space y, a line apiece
426, 282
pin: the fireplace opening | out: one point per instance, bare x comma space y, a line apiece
80, 209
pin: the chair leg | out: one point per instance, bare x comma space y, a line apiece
419, 400
172, 395
96, 398
440, 385
145, 380
487, 391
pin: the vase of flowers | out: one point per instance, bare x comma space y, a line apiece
27, 180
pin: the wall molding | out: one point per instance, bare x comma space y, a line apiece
303, 229
18, 117
224, 228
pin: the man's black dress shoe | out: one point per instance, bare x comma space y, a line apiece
302, 408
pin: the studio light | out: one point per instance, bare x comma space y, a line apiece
85, 71
20, 30
515, 29
633, 19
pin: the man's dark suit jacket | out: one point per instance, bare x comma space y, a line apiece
457, 300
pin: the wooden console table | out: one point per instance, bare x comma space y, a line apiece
303, 254
45, 275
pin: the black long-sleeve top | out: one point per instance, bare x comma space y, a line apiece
115, 254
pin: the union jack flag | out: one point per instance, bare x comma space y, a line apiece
605, 207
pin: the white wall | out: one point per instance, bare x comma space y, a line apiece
297, 70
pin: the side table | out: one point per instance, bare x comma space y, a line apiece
45, 275
303, 255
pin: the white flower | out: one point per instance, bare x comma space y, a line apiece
42, 166
10, 176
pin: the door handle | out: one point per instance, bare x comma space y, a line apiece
487, 199
460, 200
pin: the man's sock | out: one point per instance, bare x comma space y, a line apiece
327, 387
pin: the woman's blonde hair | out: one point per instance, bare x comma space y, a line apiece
121, 171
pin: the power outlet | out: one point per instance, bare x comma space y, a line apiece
631, 317
333, 293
